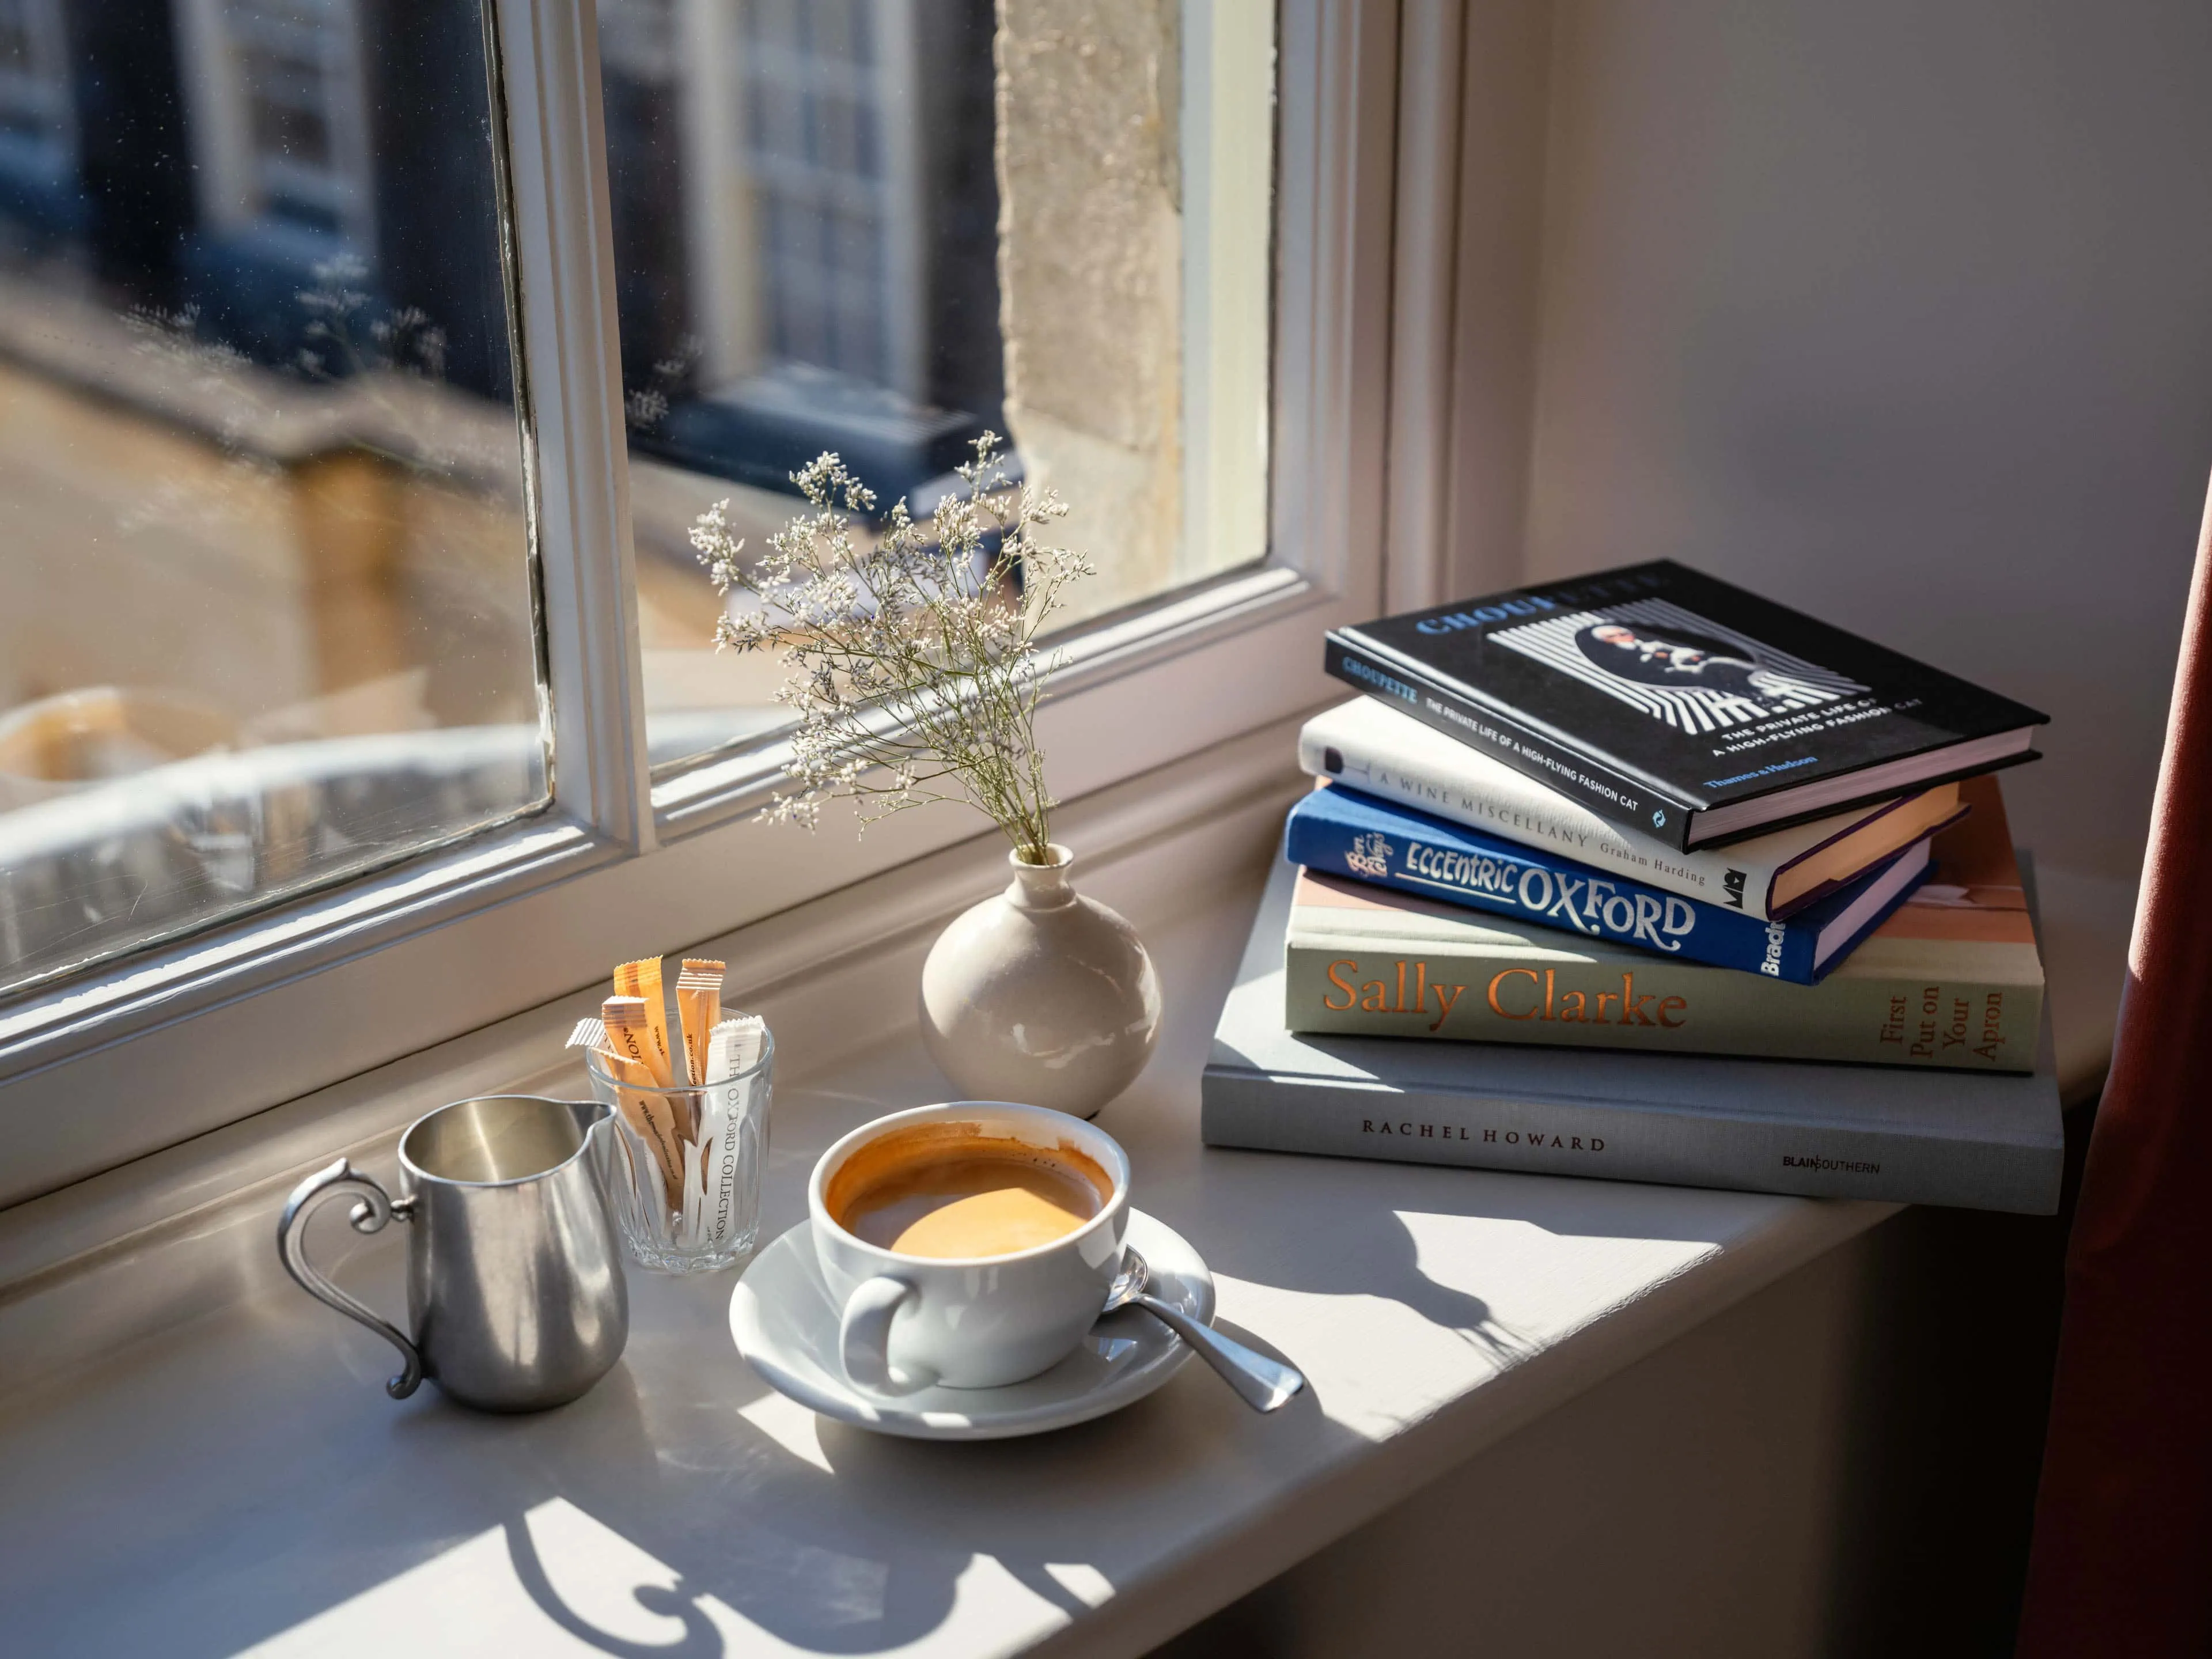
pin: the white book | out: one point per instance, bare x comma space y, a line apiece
1372, 746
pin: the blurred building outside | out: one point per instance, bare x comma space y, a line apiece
264, 603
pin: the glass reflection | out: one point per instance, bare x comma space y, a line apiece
805, 210
265, 613
882, 228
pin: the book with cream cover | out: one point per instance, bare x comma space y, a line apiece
1952, 981
1375, 748
1680, 705
1988, 1142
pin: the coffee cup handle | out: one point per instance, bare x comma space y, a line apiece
863, 1336
372, 1207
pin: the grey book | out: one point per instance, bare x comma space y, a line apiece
1985, 1142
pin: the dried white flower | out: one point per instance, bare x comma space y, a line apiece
915, 673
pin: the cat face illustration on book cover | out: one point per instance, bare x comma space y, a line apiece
1677, 666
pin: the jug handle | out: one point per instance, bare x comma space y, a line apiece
372, 1207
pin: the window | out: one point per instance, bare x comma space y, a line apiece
361, 379
264, 608
884, 227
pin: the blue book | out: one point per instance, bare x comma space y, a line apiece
1338, 831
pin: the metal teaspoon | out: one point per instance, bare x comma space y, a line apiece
1262, 1383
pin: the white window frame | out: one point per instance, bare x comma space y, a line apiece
180, 1042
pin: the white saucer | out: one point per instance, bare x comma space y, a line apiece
786, 1326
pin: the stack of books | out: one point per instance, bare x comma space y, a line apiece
1641, 876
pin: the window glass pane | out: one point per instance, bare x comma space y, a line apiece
884, 227
265, 597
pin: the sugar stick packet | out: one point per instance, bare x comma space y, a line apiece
641, 979
630, 1038
735, 1046
638, 1109
692, 1214
698, 1010
629, 1033
592, 1033
643, 1113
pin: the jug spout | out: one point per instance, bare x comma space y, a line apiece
595, 1120
604, 1151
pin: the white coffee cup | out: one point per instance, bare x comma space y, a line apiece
912, 1322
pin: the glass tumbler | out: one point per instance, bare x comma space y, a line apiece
685, 1168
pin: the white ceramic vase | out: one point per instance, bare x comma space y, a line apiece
1040, 996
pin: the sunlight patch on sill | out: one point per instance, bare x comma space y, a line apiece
557, 1580
554, 1581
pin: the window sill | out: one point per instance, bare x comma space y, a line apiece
1438, 1310
832, 974
441, 946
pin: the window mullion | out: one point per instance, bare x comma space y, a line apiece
1415, 552
562, 253
1336, 144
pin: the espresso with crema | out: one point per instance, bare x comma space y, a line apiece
947, 1190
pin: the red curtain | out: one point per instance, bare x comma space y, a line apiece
2122, 1561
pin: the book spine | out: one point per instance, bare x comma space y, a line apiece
1555, 892
1522, 810
1512, 994
1240, 1107
1612, 795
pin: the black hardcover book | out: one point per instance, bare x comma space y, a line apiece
1678, 705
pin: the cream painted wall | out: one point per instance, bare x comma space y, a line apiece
1901, 312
